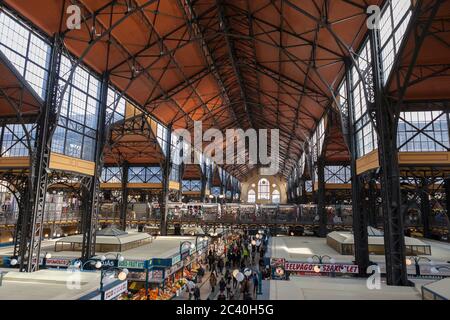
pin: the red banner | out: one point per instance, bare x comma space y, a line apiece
326, 268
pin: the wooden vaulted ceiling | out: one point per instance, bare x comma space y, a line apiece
423, 65
18, 101
265, 64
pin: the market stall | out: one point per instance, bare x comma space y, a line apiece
165, 274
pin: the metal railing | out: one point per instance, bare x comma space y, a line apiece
337, 215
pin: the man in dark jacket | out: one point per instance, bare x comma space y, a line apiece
211, 261
222, 284
197, 293
220, 265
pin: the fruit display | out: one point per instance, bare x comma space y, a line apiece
188, 274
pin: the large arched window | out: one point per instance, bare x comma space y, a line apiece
251, 196
263, 189
276, 196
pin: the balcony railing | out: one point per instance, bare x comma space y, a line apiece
337, 216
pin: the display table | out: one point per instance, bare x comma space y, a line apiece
343, 243
439, 290
48, 285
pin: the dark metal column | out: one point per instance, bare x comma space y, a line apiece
372, 202
447, 204
32, 219
180, 181
304, 196
124, 206
321, 197
91, 199
361, 239
165, 183
386, 124
203, 181
425, 208
24, 203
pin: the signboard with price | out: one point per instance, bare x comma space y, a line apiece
156, 276
115, 291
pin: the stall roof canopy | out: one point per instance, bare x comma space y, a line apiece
231, 64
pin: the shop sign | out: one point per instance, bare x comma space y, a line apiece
185, 255
132, 264
116, 291
58, 262
175, 259
325, 268
136, 276
157, 262
156, 275
109, 263
174, 268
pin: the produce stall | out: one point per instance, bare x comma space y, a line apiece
167, 275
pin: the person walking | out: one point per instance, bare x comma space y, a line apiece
221, 296
210, 260
220, 265
238, 258
255, 283
222, 285
246, 290
243, 264
200, 274
213, 282
190, 288
228, 287
196, 293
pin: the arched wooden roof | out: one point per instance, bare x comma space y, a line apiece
237, 63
